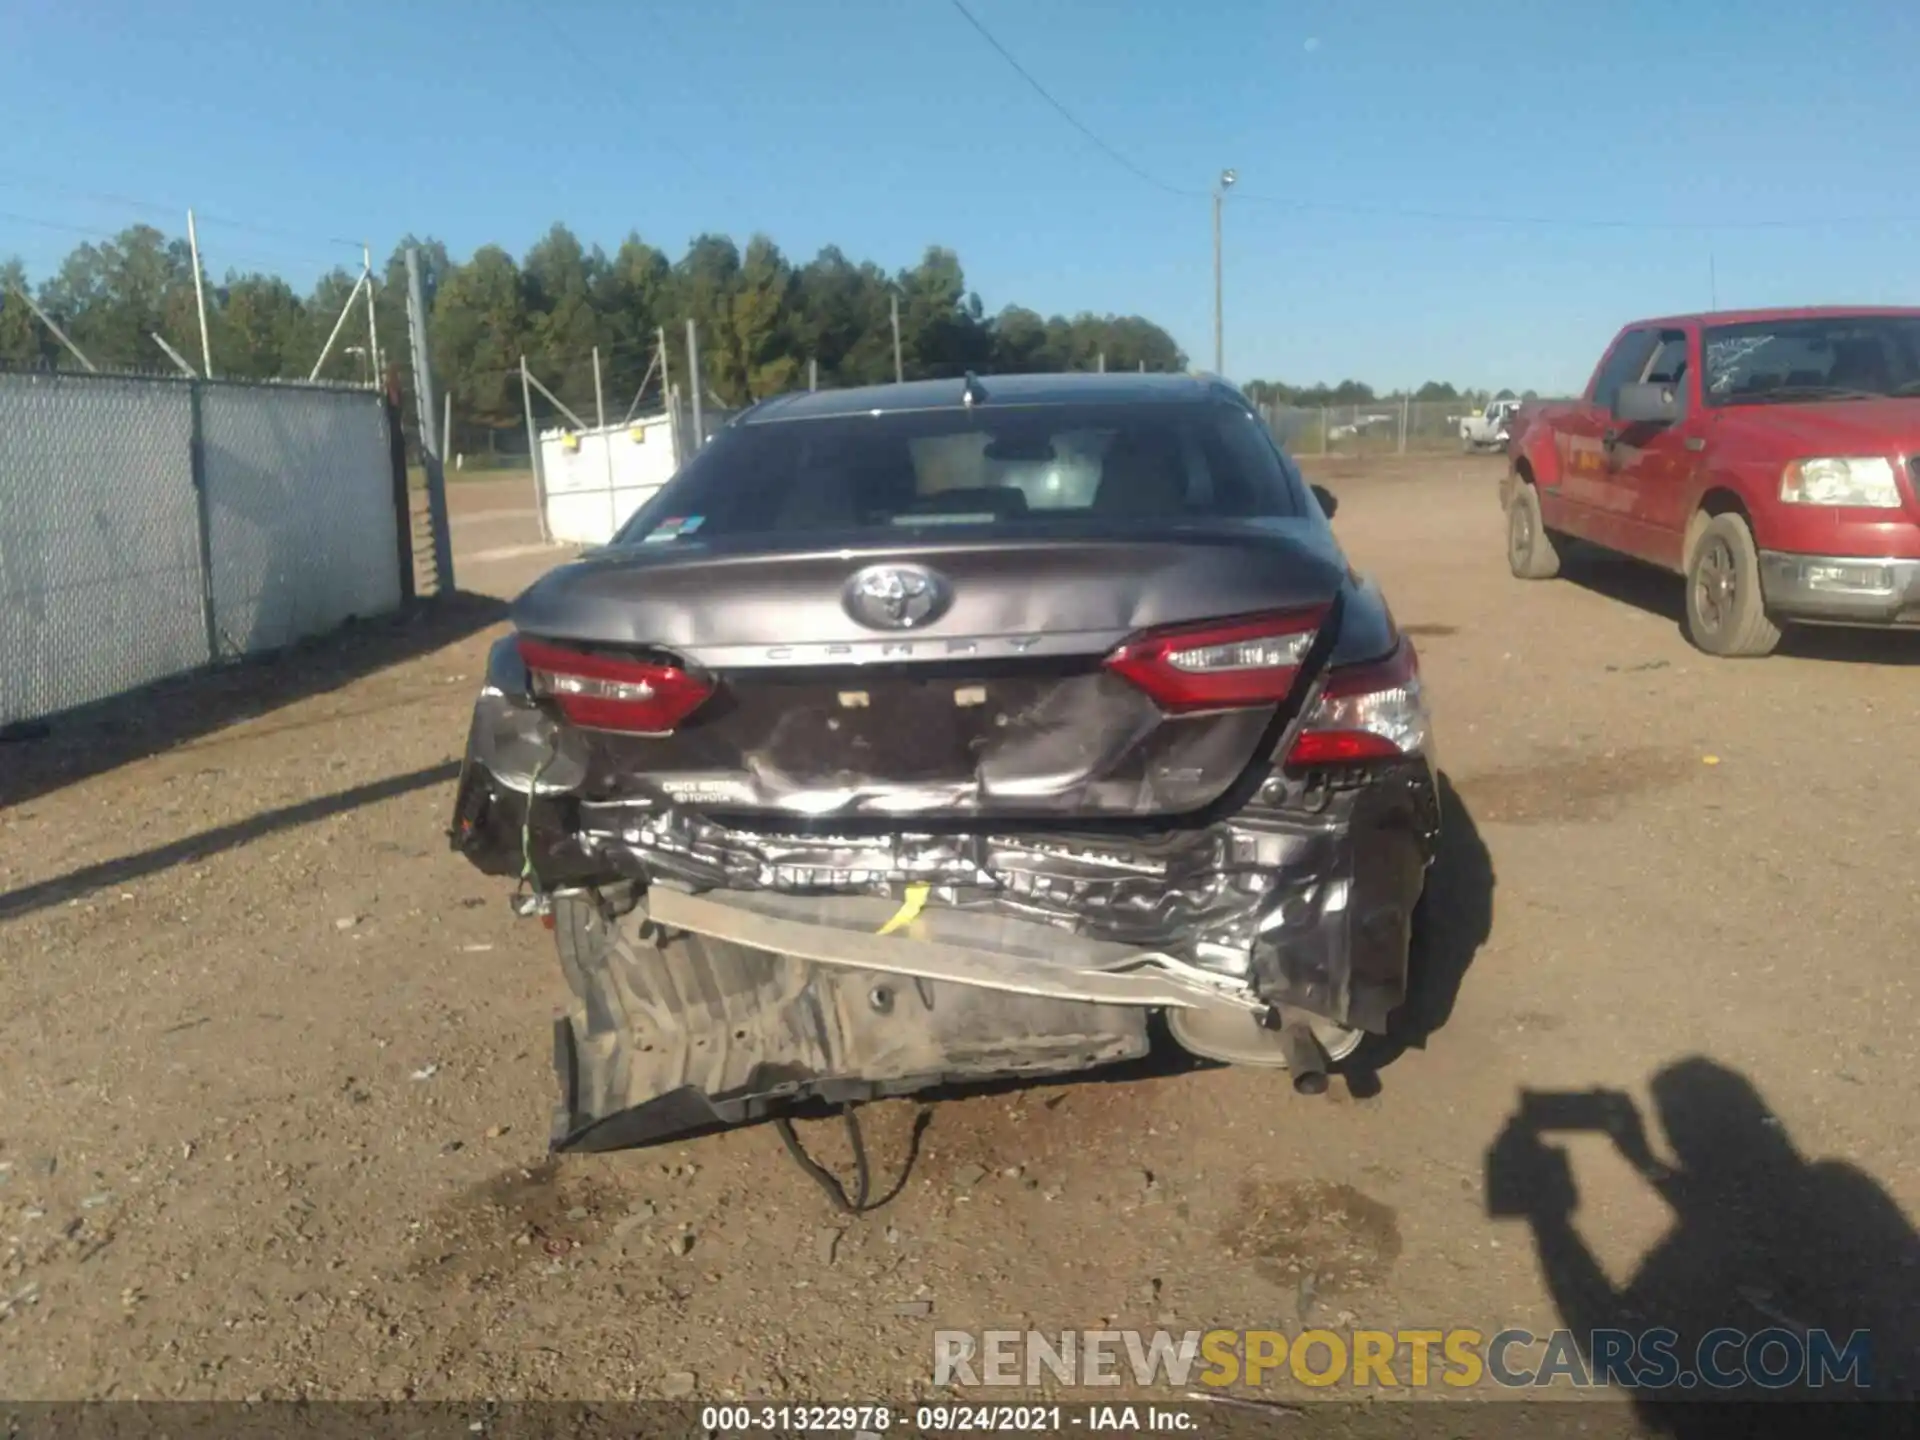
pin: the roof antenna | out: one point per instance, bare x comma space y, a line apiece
972, 393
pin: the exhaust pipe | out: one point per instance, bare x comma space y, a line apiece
1306, 1060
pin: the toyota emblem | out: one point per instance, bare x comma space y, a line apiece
896, 597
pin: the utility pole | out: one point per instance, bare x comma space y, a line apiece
899, 372
1227, 177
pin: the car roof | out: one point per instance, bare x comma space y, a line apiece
1115, 388
1760, 317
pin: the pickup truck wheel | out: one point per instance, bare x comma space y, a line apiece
1531, 553
1726, 611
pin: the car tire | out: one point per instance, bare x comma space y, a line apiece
1531, 552
1726, 608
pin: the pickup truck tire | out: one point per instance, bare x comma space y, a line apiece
1531, 553
1726, 610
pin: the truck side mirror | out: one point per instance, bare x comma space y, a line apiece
1657, 403
1324, 498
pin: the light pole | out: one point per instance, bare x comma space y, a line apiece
1227, 177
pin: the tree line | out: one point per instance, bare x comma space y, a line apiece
1355, 392
761, 321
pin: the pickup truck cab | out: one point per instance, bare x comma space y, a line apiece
1488, 430
1772, 457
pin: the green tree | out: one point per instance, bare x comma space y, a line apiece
258, 331
759, 318
24, 342
561, 279
635, 300
756, 356
479, 330
323, 309
112, 298
1020, 344
942, 332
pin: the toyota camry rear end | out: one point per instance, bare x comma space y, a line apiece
948, 732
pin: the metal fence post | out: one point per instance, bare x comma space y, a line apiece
899, 370
533, 454
402, 492
699, 437
1406, 410
203, 517
606, 444
200, 297
429, 441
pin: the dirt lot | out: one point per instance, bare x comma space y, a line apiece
276, 1077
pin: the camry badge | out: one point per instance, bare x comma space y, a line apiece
896, 597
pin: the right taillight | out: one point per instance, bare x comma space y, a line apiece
1219, 665
612, 692
1374, 711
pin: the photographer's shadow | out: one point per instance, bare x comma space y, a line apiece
1762, 1239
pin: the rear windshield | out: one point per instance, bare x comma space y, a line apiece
1819, 358
1004, 466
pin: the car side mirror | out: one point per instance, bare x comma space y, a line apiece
1652, 404
1325, 499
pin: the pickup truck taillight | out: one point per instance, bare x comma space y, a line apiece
1375, 711
598, 691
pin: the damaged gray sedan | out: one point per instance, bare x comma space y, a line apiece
949, 732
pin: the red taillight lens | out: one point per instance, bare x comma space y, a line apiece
1219, 666
612, 692
1375, 711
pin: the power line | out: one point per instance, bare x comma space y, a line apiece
1399, 212
1068, 115
14, 179
1574, 222
95, 232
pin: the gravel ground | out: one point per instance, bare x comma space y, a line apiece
276, 1072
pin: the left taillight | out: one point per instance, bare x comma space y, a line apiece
600, 691
1219, 666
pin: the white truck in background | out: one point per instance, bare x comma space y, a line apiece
1488, 430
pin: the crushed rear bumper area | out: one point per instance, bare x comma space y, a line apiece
723, 975
680, 1033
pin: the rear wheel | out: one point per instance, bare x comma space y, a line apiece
1726, 610
1531, 552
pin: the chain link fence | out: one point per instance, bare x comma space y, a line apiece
1378, 427
150, 526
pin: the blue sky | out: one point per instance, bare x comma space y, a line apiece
1384, 151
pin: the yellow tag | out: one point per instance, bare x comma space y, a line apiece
909, 910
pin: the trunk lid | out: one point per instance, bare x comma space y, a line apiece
955, 681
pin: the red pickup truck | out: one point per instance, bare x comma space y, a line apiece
1770, 456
